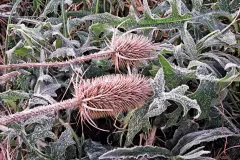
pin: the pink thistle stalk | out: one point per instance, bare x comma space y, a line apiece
101, 54
126, 50
4, 78
100, 97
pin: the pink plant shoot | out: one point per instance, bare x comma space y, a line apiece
125, 51
100, 97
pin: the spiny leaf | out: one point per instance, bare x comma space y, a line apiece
42, 128
43, 88
184, 128
205, 94
157, 107
195, 138
160, 104
224, 5
189, 42
195, 155
14, 95
232, 76
186, 102
39, 99
175, 76
59, 148
137, 123
137, 152
147, 10
64, 52
52, 6
197, 4
94, 149
130, 22
50, 90
216, 38
175, 118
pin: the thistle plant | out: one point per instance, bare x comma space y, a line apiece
125, 50
130, 49
103, 96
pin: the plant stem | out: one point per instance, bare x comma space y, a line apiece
100, 54
6, 77
71, 103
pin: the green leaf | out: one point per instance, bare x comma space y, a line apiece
176, 8
200, 44
64, 16
14, 95
184, 128
10, 52
94, 149
205, 94
160, 104
137, 123
77, 14
234, 5
174, 118
157, 107
63, 52
59, 148
224, 5
42, 88
131, 22
189, 42
137, 152
217, 38
37, 4
232, 76
42, 128
34, 156
147, 10
194, 154
186, 102
197, 4
195, 138
98, 68
13, 11
175, 76
52, 6
22, 51
98, 28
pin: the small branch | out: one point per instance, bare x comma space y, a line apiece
100, 54
39, 111
6, 77
151, 136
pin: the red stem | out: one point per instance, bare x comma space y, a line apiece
100, 54
4, 78
71, 103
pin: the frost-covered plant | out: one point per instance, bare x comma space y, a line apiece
186, 108
124, 50
99, 97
